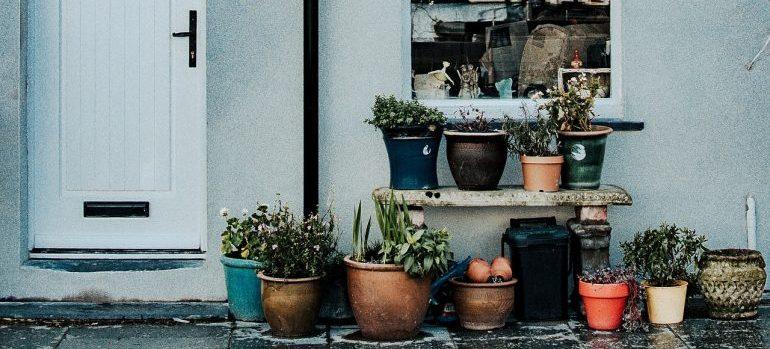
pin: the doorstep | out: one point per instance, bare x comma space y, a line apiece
114, 311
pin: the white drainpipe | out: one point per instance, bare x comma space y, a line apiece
751, 222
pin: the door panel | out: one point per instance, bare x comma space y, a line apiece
116, 114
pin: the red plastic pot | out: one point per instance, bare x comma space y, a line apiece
604, 304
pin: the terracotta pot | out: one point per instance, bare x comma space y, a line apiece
732, 281
665, 305
476, 159
541, 173
604, 304
291, 305
483, 306
387, 303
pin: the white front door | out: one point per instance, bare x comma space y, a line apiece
116, 125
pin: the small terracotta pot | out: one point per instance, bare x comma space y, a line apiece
483, 306
604, 304
387, 303
541, 173
665, 305
291, 305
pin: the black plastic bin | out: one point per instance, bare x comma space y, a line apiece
539, 250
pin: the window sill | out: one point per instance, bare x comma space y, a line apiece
108, 265
617, 124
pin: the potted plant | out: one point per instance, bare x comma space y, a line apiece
389, 282
666, 258
581, 143
610, 297
238, 260
536, 147
476, 152
412, 134
295, 253
484, 296
732, 281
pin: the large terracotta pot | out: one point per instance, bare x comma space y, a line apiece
476, 159
665, 305
387, 303
541, 173
732, 281
291, 305
483, 306
604, 304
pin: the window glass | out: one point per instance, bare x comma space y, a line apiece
500, 49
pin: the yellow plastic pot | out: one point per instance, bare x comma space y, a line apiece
665, 305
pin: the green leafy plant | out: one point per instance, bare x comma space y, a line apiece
632, 315
477, 123
237, 237
389, 113
573, 107
525, 139
664, 255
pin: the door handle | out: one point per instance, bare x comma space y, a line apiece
192, 36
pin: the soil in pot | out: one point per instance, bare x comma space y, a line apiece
483, 306
412, 156
541, 173
387, 303
291, 305
604, 304
476, 159
243, 288
665, 305
583, 157
732, 281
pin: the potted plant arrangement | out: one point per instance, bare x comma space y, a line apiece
476, 152
610, 297
732, 281
666, 258
581, 143
240, 267
389, 282
484, 296
412, 134
295, 253
537, 150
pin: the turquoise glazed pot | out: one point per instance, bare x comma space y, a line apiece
583, 157
413, 158
244, 295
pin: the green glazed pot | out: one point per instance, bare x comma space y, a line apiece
583, 157
244, 296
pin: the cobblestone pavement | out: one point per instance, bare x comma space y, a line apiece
693, 333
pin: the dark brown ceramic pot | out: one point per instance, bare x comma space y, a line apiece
483, 306
291, 305
476, 159
387, 303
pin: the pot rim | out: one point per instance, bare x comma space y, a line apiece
372, 266
732, 253
239, 262
616, 290
556, 159
596, 130
679, 284
262, 276
493, 133
456, 282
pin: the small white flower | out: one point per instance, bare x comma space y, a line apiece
224, 212
317, 248
274, 246
573, 80
245, 212
536, 95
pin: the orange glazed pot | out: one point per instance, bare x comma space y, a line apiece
483, 306
604, 304
541, 173
291, 305
387, 303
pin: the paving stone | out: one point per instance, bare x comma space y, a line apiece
430, 337
146, 336
530, 335
707, 333
257, 335
26, 336
655, 337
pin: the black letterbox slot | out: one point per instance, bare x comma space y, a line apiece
116, 209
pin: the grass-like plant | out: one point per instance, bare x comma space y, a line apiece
664, 255
529, 140
390, 113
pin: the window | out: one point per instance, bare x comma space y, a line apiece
488, 53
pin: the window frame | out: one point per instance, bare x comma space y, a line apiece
606, 108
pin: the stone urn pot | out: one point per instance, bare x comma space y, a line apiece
732, 281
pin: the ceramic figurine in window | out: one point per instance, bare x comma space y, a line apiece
433, 84
576, 63
505, 88
469, 79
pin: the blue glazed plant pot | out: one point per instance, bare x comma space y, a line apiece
244, 295
413, 160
